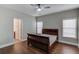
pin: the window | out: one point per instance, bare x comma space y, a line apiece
69, 28
39, 27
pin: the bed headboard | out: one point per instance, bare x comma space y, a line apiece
50, 31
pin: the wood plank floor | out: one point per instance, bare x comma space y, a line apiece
22, 48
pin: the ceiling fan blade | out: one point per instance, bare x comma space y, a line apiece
47, 7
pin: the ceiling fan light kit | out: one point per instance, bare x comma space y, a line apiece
40, 7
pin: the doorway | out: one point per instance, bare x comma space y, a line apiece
17, 29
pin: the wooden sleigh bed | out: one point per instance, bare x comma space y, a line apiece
41, 41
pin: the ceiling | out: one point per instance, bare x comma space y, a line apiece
31, 10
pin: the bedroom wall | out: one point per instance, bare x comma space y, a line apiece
6, 25
78, 26
54, 21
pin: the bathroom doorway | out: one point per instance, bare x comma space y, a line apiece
17, 29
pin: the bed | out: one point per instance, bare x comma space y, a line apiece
44, 41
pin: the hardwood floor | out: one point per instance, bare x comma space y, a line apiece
22, 48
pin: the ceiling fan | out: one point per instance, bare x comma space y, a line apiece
40, 7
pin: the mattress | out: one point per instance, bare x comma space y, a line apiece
52, 38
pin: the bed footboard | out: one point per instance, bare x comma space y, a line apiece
40, 42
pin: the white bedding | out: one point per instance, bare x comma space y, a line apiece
52, 38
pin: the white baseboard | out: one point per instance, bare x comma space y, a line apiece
6, 45
24, 40
9, 44
70, 43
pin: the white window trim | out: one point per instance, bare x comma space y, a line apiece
75, 29
40, 26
